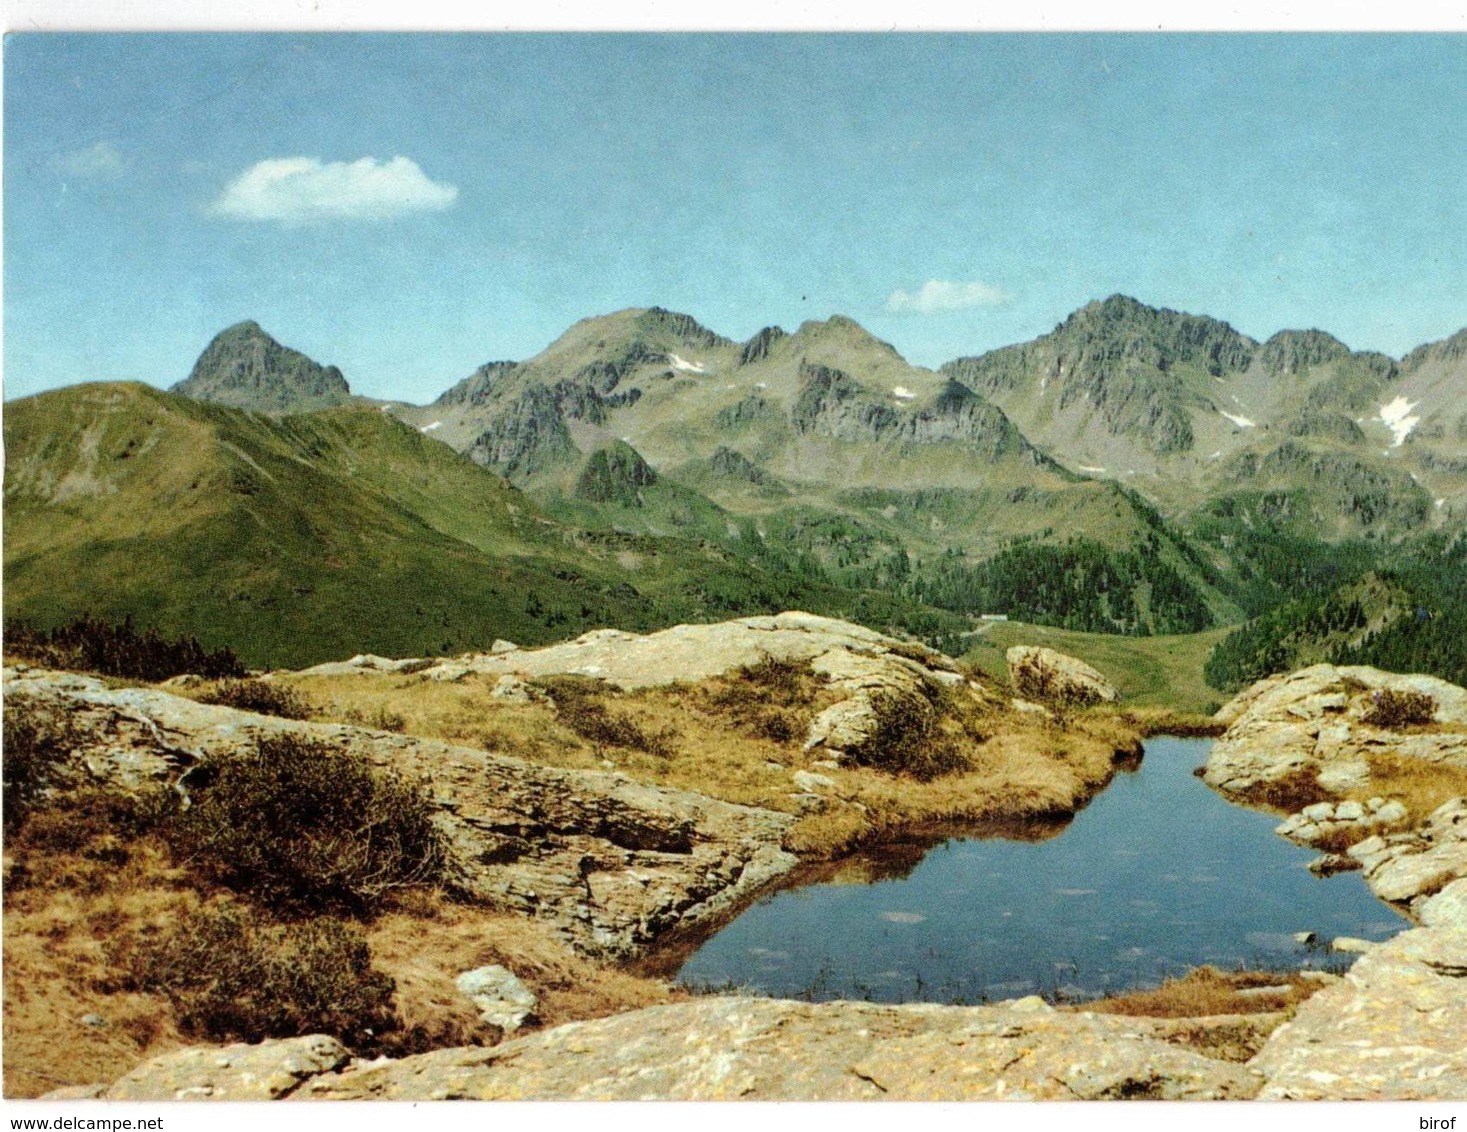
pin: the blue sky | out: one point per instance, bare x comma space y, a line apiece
409, 207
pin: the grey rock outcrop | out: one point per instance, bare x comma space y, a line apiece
1038, 673
1314, 727
1407, 867
1313, 722
501, 998
759, 1049
1390, 1030
611, 863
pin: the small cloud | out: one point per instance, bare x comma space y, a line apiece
95, 162
944, 295
299, 190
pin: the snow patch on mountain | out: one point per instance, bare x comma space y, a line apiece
687, 366
1396, 417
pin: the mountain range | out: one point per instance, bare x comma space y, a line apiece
1134, 470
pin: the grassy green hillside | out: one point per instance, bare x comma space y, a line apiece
326, 534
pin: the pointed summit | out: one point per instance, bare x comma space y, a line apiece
246, 368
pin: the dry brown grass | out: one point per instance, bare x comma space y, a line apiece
57, 972
717, 741
1206, 991
75, 891
427, 946
1418, 785
1149, 721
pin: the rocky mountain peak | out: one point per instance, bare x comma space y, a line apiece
246, 368
683, 328
1291, 351
1447, 350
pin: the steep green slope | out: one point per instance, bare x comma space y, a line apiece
322, 535
1408, 615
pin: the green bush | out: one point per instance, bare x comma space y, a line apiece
259, 696
298, 824
909, 739
93, 645
38, 737
232, 977
1394, 709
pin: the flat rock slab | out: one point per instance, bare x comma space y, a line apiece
265, 1072
1395, 1028
611, 862
759, 1049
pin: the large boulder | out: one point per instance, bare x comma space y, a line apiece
685, 652
760, 1049
501, 998
1038, 673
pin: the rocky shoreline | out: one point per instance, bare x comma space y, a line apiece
616, 865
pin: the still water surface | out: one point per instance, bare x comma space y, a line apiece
1158, 874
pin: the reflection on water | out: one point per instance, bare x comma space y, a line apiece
1157, 875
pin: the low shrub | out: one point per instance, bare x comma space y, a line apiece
93, 645
785, 682
1394, 709
39, 736
909, 739
580, 704
233, 977
259, 696
766, 699
298, 824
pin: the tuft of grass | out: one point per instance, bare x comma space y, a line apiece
1418, 785
297, 824
379, 720
1206, 991
1291, 792
260, 696
39, 736
231, 976
909, 739
770, 699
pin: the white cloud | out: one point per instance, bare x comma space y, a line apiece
96, 161
299, 190
944, 295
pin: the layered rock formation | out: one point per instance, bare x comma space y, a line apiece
611, 863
